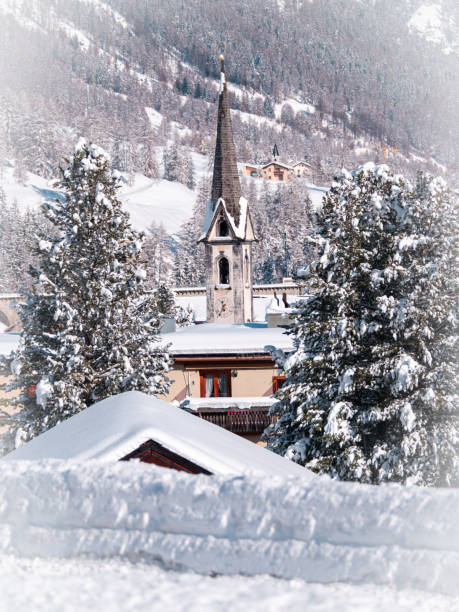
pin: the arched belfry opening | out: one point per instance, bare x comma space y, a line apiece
223, 229
223, 271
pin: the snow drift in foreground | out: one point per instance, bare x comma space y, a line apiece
319, 531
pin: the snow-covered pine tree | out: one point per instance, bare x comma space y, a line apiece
188, 170
283, 220
88, 328
165, 300
370, 392
158, 257
148, 161
171, 162
189, 266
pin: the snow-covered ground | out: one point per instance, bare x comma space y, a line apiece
130, 536
157, 201
112, 585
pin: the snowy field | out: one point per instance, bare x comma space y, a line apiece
129, 536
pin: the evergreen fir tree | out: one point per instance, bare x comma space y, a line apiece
370, 392
165, 300
88, 328
149, 162
20, 172
158, 256
171, 161
189, 266
283, 220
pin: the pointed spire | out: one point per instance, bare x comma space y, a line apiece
225, 180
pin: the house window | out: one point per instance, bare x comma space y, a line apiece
215, 384
223, 269
223, 228
278, 381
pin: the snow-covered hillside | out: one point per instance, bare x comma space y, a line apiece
98, 69
147, 200
372, 548
432, 21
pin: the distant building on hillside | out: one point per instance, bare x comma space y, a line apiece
251, 170
302, 169
276, 170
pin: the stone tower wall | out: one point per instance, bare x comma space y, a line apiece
234, 303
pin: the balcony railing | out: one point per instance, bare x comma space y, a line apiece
238, 421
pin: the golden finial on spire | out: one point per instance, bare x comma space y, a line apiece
222, 59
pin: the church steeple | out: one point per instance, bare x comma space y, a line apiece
227, 232
225, 180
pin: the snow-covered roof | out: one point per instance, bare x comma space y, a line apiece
10, 296
261, 304
223, 338
8, 343
301, 163
116, 426
276, 163
212, 212
230, 403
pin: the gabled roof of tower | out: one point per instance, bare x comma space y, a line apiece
225, 180
215, 210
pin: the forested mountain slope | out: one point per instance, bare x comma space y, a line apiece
328, 80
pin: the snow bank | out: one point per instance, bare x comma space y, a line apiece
320, 531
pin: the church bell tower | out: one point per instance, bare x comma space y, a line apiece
228, 231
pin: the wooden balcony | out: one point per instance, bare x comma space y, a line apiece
250, 421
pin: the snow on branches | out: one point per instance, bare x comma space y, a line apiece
88, 326
370, 392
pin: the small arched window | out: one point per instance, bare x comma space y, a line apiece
223, 269
223, 229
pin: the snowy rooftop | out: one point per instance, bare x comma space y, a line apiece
230, 403
8, 343
277, 163
116, 426
217, 338
261, 304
